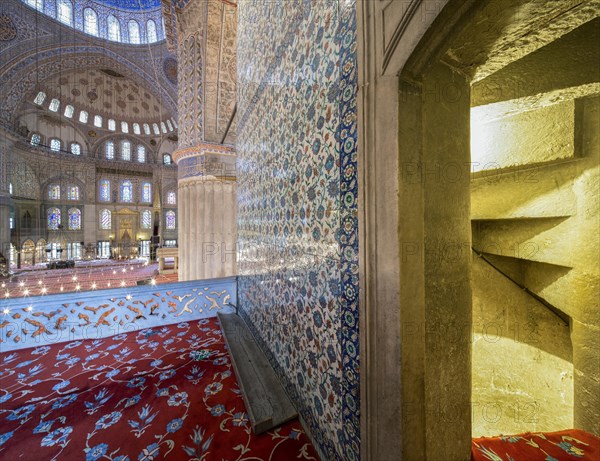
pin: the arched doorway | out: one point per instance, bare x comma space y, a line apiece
428, 72
40, 250
28, 253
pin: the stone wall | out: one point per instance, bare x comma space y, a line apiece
297, 198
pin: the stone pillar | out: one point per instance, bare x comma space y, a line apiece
206, 212
4, 204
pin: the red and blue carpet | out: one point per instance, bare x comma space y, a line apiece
159, 393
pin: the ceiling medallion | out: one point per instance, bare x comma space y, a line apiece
92, 134
8, 30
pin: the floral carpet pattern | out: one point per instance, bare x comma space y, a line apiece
160, 393
570, 445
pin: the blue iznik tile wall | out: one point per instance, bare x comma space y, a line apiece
297, 197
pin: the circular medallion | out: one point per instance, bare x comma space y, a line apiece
8, 30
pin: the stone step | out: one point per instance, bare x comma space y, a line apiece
267, 403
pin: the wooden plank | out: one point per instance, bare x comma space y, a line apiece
267, 404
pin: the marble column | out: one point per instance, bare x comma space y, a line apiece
4, 203
207, 200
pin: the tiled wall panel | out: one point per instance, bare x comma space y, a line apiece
297, 195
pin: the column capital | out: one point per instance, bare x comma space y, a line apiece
204, 160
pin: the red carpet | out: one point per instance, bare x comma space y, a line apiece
161, 393
571, 445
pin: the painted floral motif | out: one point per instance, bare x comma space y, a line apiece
144, 412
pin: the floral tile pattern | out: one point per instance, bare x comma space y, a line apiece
160, 393
297, 197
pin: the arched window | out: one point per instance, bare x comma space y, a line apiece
36, 138
170, 220
172, 198
167, 159
37, 4
141, 154
73, 193
83, 116
53, 218
40, 98
134, 32
151, 31
146, 219
125, 127
105, 220
69, 110
75, 148
147, 192
126, 150
74, 219
10, 188
112, 125
126, 191
146, 129
64, 12
109, 150
174, 123
55, 145
136, 128
104, 190
170, 125
155, 128
54, 192
114, 28
54, 105
163, 127
98, 121
90, 22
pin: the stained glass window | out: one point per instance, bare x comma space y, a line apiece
64, 10
146, 192
75, 148
90, 22
83, 116
73, 193
105, 220
39, 99
151, 31
54, 192
126, 150
125, 127
146, 219
171, 198
112, 125
126, 191
114, 29
98, 121
110, 150
69, 110
155, 128
53, 218
134, 32
163, 127
166, 159
36, 139
141, 154
146, 129
55, 145
170, 218
104, 190
136, 128
170, 125
74, 219
54, 105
